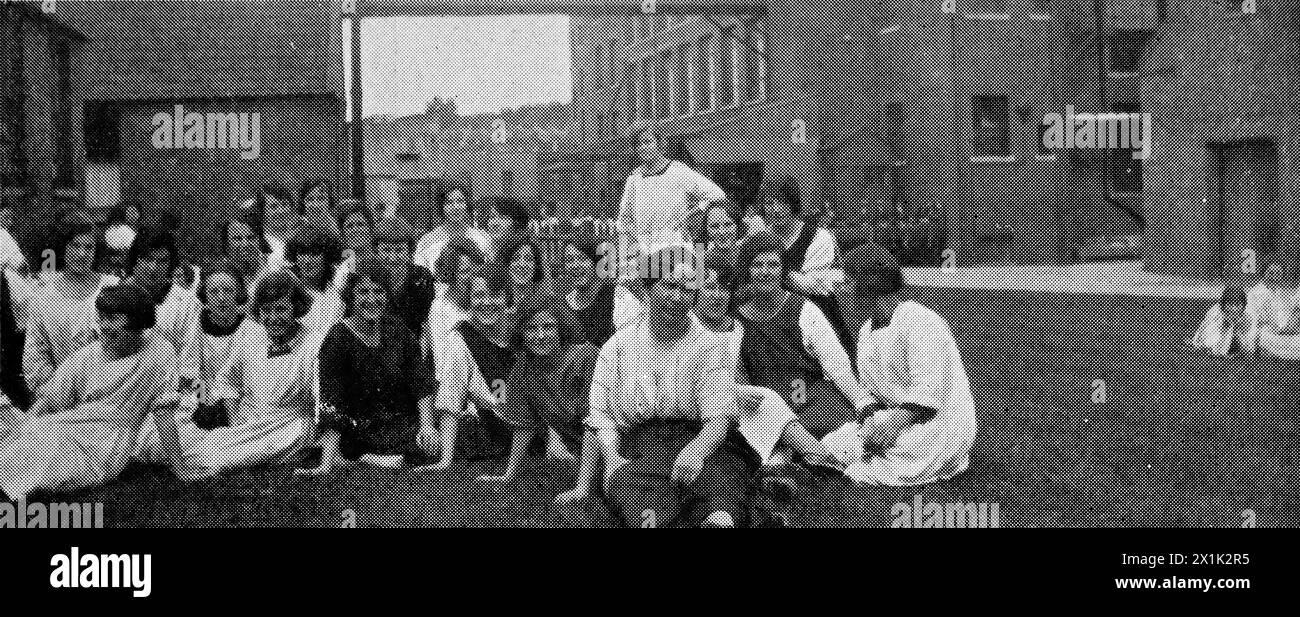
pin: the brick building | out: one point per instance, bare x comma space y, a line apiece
410, 159
1223, 177
41, 151
885, 110
130, 60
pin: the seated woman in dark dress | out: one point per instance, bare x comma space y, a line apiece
376, 387
789, 346
591, 291
472, 371
549, 386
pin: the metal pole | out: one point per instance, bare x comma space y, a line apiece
358, 137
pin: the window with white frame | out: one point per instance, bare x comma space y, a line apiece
703, 73
726, 82
681, 81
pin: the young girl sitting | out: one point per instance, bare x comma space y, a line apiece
1229, 327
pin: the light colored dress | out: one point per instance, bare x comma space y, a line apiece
177, 317
58, 326
95, 407
1276, 311
654, 209
206, 351
271, 406
429, 247
637, 379
1214, 335
914, 360
761, 425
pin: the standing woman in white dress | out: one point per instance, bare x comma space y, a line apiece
455, 220
62, 312
82, 429
264, 408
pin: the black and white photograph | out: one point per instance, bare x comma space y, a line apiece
339, 264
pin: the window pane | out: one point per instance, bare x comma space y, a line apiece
991, 122
661, 85
1126, 171
682, 76
1126, 50
703, 87
753, 53
726, 93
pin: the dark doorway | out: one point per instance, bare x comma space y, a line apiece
1245, 179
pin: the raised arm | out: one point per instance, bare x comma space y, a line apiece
820, 340
38, 353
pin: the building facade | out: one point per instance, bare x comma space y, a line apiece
41, 150
411, 159
900, 111
1221, 184
131, 61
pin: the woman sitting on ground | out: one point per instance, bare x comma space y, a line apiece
549, 386
1228, 328
1275, 302
455, 263
476, 362
315, 255
62, 312
789, 346
376, 388
82, 429
264, 409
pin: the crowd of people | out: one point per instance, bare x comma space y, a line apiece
720, 354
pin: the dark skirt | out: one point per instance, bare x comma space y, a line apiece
642, 493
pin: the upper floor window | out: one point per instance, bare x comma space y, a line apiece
991, 123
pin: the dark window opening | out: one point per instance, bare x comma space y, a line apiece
991, 123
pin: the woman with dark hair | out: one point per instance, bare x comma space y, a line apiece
453, 221
591, 283
82, 429
721, 227
789, 346
522, 258
376, 388
62, 312
765, 420
455, 263
549, 386
507, 217
809, 252
413, 287
279, 215
153, 268
317, 207
223, 293
476, 361
244, 244
315, 256
663, 409
262, 408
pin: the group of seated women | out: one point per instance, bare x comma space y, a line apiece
320, 346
